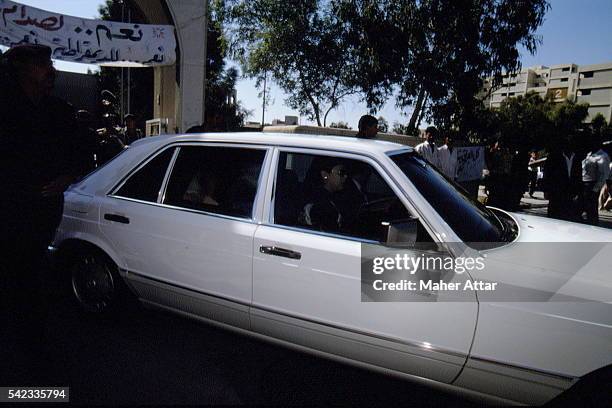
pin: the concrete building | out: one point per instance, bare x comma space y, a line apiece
585, 83
289, 121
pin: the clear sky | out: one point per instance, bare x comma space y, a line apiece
574, 31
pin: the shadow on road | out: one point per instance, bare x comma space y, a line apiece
152, 357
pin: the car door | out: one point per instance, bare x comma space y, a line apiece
190, 248
307, 286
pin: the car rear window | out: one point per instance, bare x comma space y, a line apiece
146, 183
220, 180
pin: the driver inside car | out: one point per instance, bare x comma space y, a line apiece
327, 209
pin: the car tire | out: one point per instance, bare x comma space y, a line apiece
95, 284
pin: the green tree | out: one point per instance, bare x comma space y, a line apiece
383, 125
525, 121
339, 125
222, 109
601, 128
399, 129
567, 119
435, 52
300, 44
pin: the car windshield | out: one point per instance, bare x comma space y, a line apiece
470, 220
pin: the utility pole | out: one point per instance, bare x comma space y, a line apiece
129, 85
205, 82
122, 113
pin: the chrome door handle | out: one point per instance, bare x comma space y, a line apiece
117, 218
285, 253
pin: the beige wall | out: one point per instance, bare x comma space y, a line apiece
181, 102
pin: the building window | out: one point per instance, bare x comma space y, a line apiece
584, 92
566, 69
586, 74
563, 79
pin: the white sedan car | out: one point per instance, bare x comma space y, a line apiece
269, 235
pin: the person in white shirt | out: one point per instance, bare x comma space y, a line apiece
447, 157
428, 149
605, 197
595, 171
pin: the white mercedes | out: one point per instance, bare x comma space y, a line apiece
269, 235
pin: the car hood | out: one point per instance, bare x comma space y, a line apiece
541, 229
552, 259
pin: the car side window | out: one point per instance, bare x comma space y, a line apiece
220, 180
146, 183
334, 195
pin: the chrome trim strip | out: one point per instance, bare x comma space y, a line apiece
419, 345
472, 395
161, 196
163, 282
321, 233
545, 373
171, 207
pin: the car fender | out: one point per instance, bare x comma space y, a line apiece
65, 237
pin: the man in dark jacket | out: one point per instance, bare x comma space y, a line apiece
39, 159
562, 182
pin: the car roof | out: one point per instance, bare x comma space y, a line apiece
344, 143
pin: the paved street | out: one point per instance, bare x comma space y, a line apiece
152, 357
539, 206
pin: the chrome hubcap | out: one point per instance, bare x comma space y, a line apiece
93, 285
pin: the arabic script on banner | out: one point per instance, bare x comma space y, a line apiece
470, 162
87, 41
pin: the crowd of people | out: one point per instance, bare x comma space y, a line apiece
577, 172
575, 178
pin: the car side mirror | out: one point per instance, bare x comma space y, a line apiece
400, 232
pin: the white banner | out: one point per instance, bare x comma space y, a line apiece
87, 41
470, 163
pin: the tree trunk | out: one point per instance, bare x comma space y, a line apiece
317, 115
325, 116
423, 108
418, 107
315, 108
